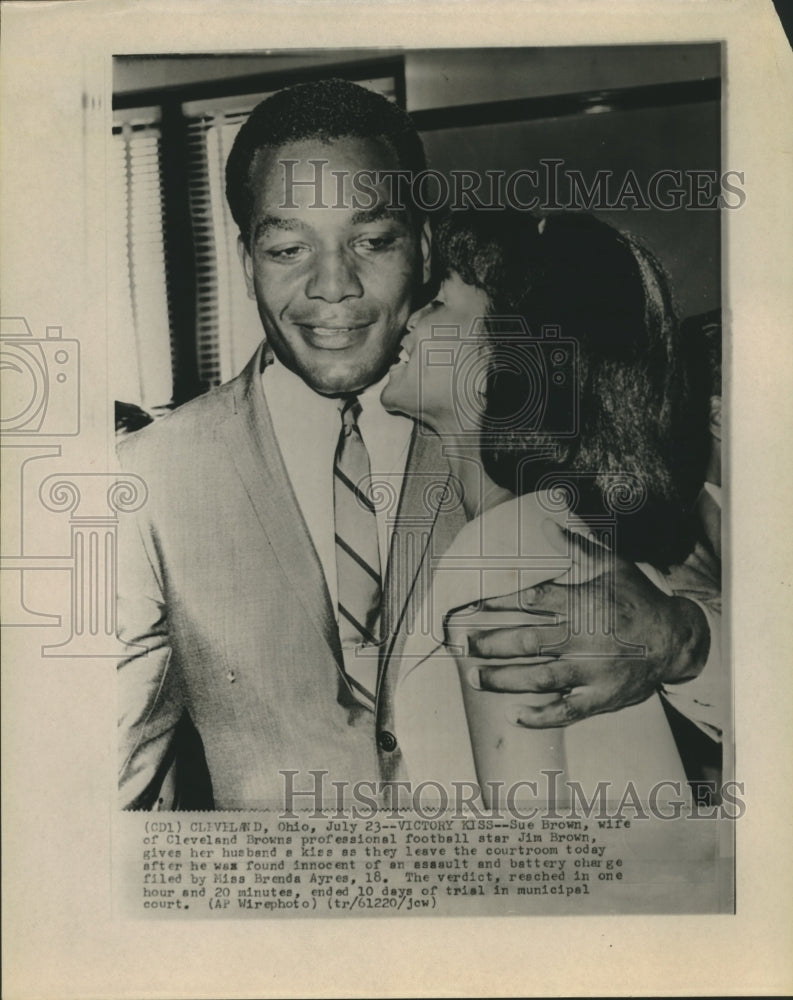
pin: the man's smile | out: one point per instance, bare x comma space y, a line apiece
331, 337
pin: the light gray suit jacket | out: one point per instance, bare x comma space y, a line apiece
223, 600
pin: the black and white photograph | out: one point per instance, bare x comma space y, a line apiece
454, 530
397, 516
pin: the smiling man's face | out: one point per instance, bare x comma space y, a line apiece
334, 285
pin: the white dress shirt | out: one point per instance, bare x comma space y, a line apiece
706, 699
307, 427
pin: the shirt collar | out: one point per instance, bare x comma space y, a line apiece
292, 394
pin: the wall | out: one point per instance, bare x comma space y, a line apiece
446, 78
682, 137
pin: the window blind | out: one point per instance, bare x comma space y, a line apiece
227, 331
139, 299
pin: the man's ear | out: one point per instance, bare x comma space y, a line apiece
425, 241
247, 266
715, 417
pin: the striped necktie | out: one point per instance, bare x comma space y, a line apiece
357, 557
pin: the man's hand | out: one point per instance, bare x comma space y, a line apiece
593, 670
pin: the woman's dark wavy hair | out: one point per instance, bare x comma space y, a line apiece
637, 414
321, 109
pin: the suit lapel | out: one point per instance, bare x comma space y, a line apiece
250, 438
429, 517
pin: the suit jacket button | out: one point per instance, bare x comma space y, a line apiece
386, 741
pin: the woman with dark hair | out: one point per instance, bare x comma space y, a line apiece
550, 364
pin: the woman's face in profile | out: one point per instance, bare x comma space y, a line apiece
422, 383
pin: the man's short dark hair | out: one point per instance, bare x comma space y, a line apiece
324, 110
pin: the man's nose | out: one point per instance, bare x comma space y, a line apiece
333, 278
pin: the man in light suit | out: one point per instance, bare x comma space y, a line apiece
228, 591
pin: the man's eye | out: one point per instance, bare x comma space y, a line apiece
285, 254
